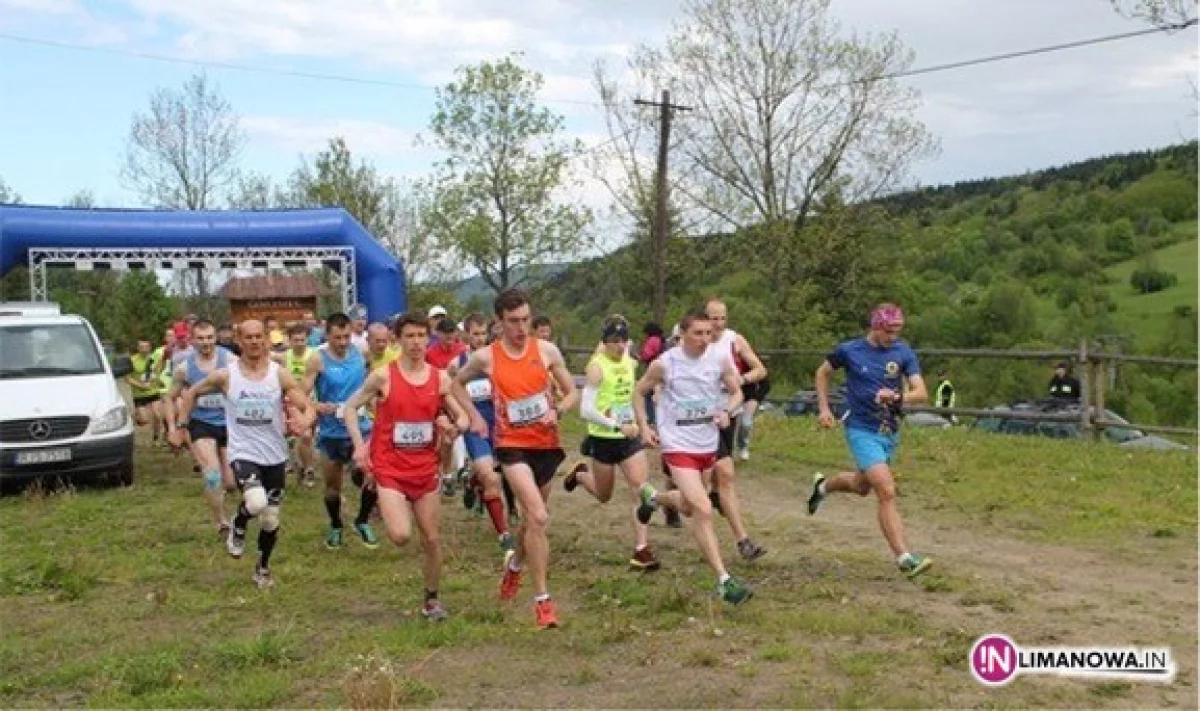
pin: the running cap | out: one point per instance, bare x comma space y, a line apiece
886, 316
437, 311
181, 330
447, 325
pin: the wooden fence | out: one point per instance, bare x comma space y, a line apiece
1089, 361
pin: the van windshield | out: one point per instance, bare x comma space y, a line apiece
47, 350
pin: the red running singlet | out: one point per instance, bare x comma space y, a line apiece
404, 450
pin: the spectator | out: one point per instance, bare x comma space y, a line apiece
1064, 386
542, 328
945, 394
654, 344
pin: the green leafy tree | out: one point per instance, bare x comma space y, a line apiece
495, 193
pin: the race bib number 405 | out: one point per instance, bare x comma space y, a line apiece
480, 390
528, 410
255, 411
412, 434
211, 401
689, 413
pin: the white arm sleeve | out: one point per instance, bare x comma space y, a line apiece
589, 411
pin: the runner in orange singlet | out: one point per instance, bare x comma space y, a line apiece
401, 458
527, 441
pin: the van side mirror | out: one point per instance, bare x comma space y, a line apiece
122, 365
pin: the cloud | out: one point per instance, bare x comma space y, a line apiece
49, 7
302, 135
1170, 72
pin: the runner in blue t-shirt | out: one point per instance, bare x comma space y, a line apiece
882, 373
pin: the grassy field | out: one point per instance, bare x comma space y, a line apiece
126, 598
1147, 316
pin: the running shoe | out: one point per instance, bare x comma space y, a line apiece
470, 495
448, 485
434, 611
734, 592
236, 543
915, 564
263, 579
674, 520
744, 454
817, 497
367, 534
647, 503
749, 550
333, 539
510, 583
644, 559
547, 617
507, 542
571, 480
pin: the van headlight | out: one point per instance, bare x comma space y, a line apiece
111, 421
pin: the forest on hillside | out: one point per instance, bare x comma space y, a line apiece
999, 263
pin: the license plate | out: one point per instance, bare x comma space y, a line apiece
43, 456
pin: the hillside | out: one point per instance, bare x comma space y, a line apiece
1148, 317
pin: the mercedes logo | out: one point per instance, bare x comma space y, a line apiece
39, 429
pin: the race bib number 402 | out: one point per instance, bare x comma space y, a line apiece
528, 410
255, 411
412, 434
690, 413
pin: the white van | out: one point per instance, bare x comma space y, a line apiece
62, 415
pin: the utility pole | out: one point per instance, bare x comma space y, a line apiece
662, 219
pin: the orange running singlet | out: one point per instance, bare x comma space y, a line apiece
521, 393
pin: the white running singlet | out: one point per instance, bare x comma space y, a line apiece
692, 395
727, 344
254, 417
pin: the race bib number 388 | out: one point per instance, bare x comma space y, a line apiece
528, 410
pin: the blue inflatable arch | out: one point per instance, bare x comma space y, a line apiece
379, 280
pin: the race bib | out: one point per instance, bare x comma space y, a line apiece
211, 401
340, 412
623, 414
255, 411
480, 390
528, 410
690, 413
412, 434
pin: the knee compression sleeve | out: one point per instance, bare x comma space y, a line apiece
255, 500
270, 518
212, 479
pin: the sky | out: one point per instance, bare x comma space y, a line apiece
65, 112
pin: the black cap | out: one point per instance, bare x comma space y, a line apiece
447, 325
616, 329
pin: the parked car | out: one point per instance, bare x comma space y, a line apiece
62, 415
927, 419
804, 402
1122, 436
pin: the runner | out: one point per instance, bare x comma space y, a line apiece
543, 329
204, 433
358, 327
452, 455
380, 350
527, 440
225, 339
316, 332
750, 370
295, 359
613, 438
401, 458
337, 370
484, 484
882, 373
275, 335
143, 385
689, 418
255, 388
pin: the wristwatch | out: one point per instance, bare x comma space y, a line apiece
182, 425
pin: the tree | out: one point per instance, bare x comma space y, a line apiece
81, 199
254, 191
1160, 13
394, 212
8, 195
139, 310
495, 192
790, 115
183, 154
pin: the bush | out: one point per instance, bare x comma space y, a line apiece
1148, 281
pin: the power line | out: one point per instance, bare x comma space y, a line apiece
343, 78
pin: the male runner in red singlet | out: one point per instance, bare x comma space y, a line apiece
527, 441
401, 457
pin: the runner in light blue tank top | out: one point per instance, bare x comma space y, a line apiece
210, 409
339, 379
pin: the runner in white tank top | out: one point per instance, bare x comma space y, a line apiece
255, 390
690, 411
750, 369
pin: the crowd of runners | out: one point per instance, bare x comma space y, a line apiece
426, 408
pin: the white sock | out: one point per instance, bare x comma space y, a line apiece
903, 558
723, 578
541, 598
821, 486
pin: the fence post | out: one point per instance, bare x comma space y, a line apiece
1100, 375
1085, 411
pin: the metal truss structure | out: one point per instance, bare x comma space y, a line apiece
341, 259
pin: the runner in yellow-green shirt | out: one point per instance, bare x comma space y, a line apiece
613, 439
295, 359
